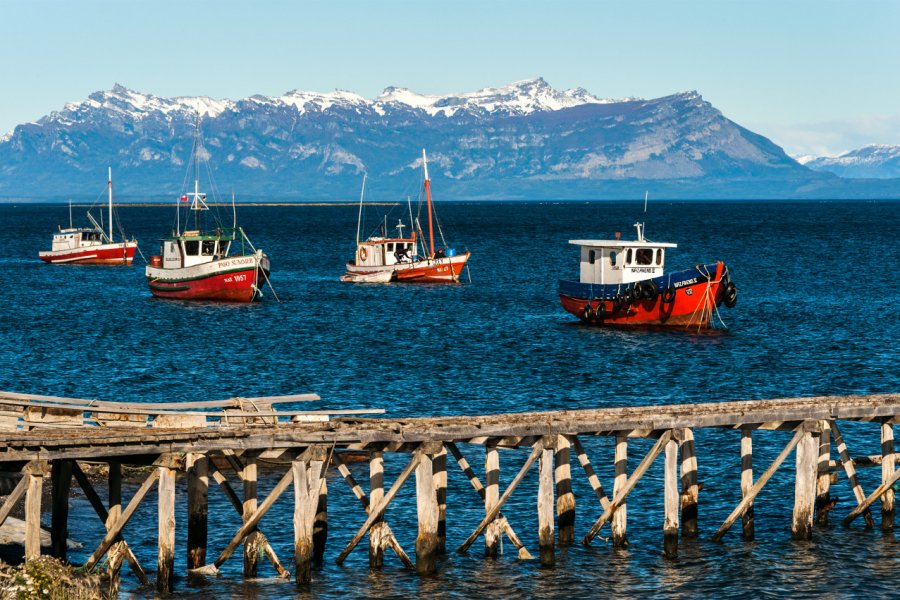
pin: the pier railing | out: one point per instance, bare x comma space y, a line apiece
44, 437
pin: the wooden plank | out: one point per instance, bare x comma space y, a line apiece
588, 468
747, 520
850, 470
14, 496
165, 569
671, 503
619, 523
307, 483
756, 487
807, 456
620, 496
41, 415
888, 460
690, 489
867, 502
545, 507
253, 540
427, 513
377, 534
565, 499
61, 481
491, 498
823, 479
35, 480
535, 452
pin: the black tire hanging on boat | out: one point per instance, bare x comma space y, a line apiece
600, 311
668, 296
651, 290
730, 297
587, 313
617, 302
638, 290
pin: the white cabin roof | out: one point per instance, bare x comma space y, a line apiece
622, 244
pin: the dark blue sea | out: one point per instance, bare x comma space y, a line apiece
817, 291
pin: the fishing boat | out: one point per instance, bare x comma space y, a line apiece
623, 283
90, 245
403, 258
206, 261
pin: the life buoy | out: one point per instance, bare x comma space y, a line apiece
730, 296
363, 253
669, 295
651, 290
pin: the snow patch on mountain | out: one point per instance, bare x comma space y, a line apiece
877, 161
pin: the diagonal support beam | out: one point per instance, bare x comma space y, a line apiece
866, 503
13, 497
490, 516
589, 471
763, 479
850, 470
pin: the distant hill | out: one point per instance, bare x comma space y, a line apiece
522, 141
869, 162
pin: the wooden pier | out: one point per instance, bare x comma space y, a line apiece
45, 437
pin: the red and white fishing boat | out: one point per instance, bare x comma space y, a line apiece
219, 263
406, 258
623, 283
90, 245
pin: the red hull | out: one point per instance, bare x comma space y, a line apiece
234, 286
123, 255
445, 270
693, 306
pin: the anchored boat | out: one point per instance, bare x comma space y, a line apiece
406, 258
206, 263
623, 283
90, 245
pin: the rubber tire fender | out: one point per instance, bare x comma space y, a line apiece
651, 290
668, 295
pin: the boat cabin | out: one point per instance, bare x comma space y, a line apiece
621, 261
75, 238
192, 248
380, 252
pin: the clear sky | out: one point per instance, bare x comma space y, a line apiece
815, 76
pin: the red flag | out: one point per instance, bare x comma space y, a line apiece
184, 198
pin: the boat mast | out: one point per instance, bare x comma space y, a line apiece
362, 193
109, 185
428, 198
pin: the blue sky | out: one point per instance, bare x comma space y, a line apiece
815, 76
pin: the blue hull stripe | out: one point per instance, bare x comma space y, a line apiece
597, 291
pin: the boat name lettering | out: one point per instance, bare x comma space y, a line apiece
641, 269
679, 284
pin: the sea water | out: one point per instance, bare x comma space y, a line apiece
815, 316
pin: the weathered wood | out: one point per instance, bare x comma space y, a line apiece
197, 467
620, 496
565, 499
377, 535
747, 520
439, 465
619, 524
35, 479
427, 512
823, 479
253, 541
545, 508
756, 487
850, 470
588, 468
378, 511
671, 504
690, 489
165, 570
491, 498
535, 452
308, 478
888, 459
807, 456
867, 502
14, 496
61, 480
320, 524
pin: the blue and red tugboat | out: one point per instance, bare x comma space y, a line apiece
623, 283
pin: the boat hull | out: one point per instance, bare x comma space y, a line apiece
439, 270
104, 254
232, 279
694, 297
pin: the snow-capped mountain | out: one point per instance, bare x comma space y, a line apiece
524, 140
876, 161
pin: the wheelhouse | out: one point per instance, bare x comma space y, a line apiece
621, 261
74, 238
192, 248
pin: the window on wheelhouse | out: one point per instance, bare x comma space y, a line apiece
208, 247
592, 256
659, 256
612, 258
192, 248
628, 256
644, 256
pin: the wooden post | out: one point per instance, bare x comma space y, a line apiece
565, 499
165, 575
823, 479
545, 504
689, 488
320, 525
888, 459
427, 511
619, 520
35, 476
440, 489
807, 458
850, 470
197, 467
747, 482
307, 485
491, 497
253, 541
61, 480
378, 531
671, 504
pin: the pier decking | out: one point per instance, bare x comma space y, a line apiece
46, 438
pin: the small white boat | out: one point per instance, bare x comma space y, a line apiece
373, 277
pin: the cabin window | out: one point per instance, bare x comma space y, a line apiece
659, 254
172, 247
223, 247
644, 256
192, 248
390, 247
612, 258
628, 256
592, 256
208, 247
